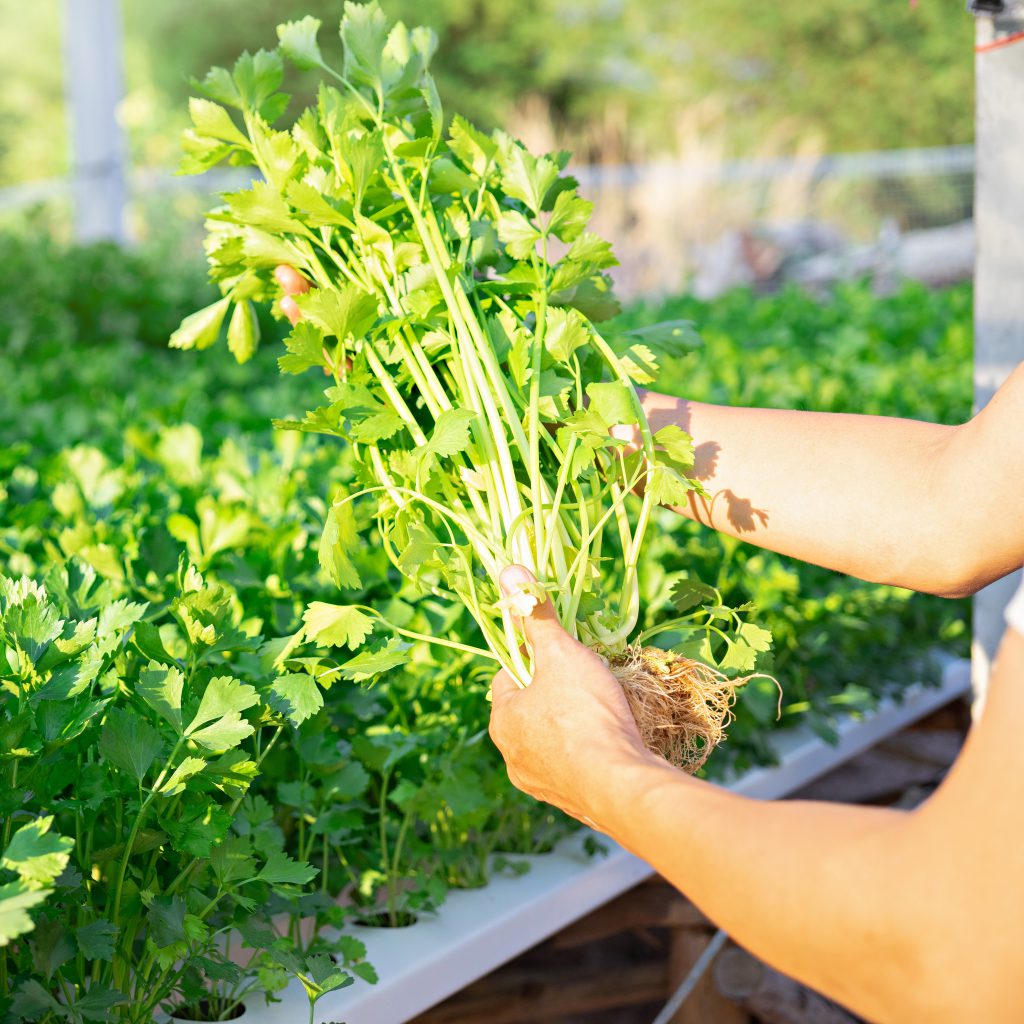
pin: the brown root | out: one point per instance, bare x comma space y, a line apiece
681, 706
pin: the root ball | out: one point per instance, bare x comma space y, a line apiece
681, 706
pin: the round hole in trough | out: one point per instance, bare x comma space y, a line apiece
476, 883
385, 920
203, 1012
541, 848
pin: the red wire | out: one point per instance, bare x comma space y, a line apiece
999, 43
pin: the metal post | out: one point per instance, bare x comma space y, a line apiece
689, 983
999, 271
94, 86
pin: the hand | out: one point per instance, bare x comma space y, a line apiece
293, 283
565, 736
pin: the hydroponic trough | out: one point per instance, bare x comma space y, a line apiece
477, 930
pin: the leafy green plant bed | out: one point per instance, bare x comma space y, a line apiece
166, 531
476, 931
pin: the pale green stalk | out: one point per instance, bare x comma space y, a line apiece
468, 349
536, 356
482, 387
632, 555
391, 390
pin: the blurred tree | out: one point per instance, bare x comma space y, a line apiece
860, 74
865, 74
610, 79
493, 52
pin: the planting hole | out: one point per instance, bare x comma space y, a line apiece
383, 919
207, 1011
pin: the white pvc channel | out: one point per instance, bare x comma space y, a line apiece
480, 929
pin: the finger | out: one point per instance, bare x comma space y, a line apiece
290, 308
290, 280
540, 623
502, 687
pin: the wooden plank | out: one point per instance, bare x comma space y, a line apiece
771, 997
939, 747
655, 905
705, 1004
876, 775
955, 715
524, 996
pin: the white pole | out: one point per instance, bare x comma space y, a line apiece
999, 271
94, 87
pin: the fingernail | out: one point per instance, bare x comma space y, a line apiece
514, 577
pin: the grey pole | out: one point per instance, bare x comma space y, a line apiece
999, 271
94, 86
690, 982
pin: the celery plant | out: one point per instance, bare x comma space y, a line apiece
456, 292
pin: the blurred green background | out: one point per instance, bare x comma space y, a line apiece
609, 79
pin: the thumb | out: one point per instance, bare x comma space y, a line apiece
525, 598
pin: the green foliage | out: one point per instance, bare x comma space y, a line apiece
139, 906
446, 377
33, 130
37, 857
107, 443
105, 292
861, 75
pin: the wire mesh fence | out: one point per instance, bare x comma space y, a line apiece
664, 218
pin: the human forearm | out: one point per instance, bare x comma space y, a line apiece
878, 498
815, 889
903, 916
